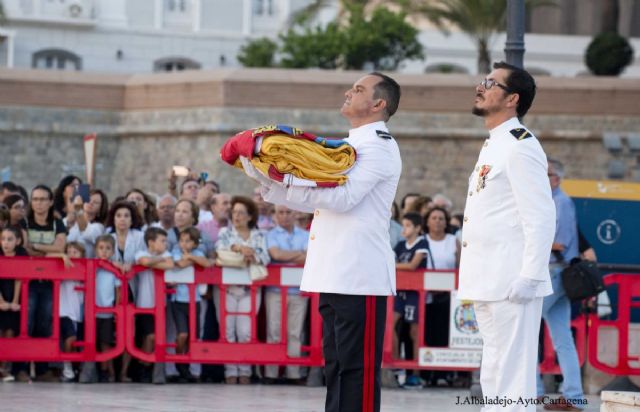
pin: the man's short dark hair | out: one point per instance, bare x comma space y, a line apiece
519, 81
414, 218
153, 233
388, 90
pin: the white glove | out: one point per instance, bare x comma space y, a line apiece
523, 290
254, 173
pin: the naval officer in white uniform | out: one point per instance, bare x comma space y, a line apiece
349, 260
509, 225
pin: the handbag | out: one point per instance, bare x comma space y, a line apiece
257, 272
228, 258
582, 279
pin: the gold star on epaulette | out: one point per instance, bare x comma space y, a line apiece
383, 134
520, 133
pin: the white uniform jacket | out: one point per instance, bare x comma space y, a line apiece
349, 250
509, 219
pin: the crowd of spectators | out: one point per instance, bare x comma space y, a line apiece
186, 226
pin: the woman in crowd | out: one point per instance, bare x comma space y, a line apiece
17, 212
45, 234
242, 236
63, 195
124, 223
89, 220
445, 254
186, 215
422, 205
146, 207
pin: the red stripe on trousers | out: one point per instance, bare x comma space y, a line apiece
372, 356
369, 355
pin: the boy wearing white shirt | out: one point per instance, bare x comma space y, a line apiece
155, 257
186, 254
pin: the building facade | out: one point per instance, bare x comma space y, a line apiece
147, 123
141, 36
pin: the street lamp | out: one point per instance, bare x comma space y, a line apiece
514, 47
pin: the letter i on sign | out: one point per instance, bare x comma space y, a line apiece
90, 156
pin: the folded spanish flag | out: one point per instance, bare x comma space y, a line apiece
292, 157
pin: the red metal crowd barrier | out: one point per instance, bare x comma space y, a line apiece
462, 357
627, 360
456, 356
222, 351
23, 347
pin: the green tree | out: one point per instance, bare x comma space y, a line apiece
258, 53
608, 54
304, 15
385, 40
479, 19
318, 47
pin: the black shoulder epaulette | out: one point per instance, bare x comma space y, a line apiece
383, 134
520, 133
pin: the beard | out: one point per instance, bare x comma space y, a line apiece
479, 112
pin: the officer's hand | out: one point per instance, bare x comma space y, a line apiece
254, 173
523, 290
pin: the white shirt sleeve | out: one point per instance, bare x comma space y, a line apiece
372, 166
527, 173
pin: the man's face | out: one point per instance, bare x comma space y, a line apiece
359, 103
492, 100
221, 206
285, 217
166, 209
190, 190
554, 179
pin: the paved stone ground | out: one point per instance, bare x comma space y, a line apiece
55, 397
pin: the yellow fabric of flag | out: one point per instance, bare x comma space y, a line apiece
304, 159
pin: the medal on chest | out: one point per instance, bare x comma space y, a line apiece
482, 177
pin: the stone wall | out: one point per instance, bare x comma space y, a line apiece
146, 124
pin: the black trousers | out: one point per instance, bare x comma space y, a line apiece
353, 332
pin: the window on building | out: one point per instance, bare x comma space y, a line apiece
176, 6
56, 59
263, 7
175, 64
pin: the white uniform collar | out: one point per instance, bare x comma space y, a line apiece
367, 129
504, 128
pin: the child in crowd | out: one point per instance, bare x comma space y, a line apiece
107, 294
411, 254
155, 257
186, 254
70, 309
11, 245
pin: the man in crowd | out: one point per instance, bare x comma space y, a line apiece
166, 211
287, 245
556, 308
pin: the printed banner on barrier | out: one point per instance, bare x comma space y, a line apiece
463, 328
450, 358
